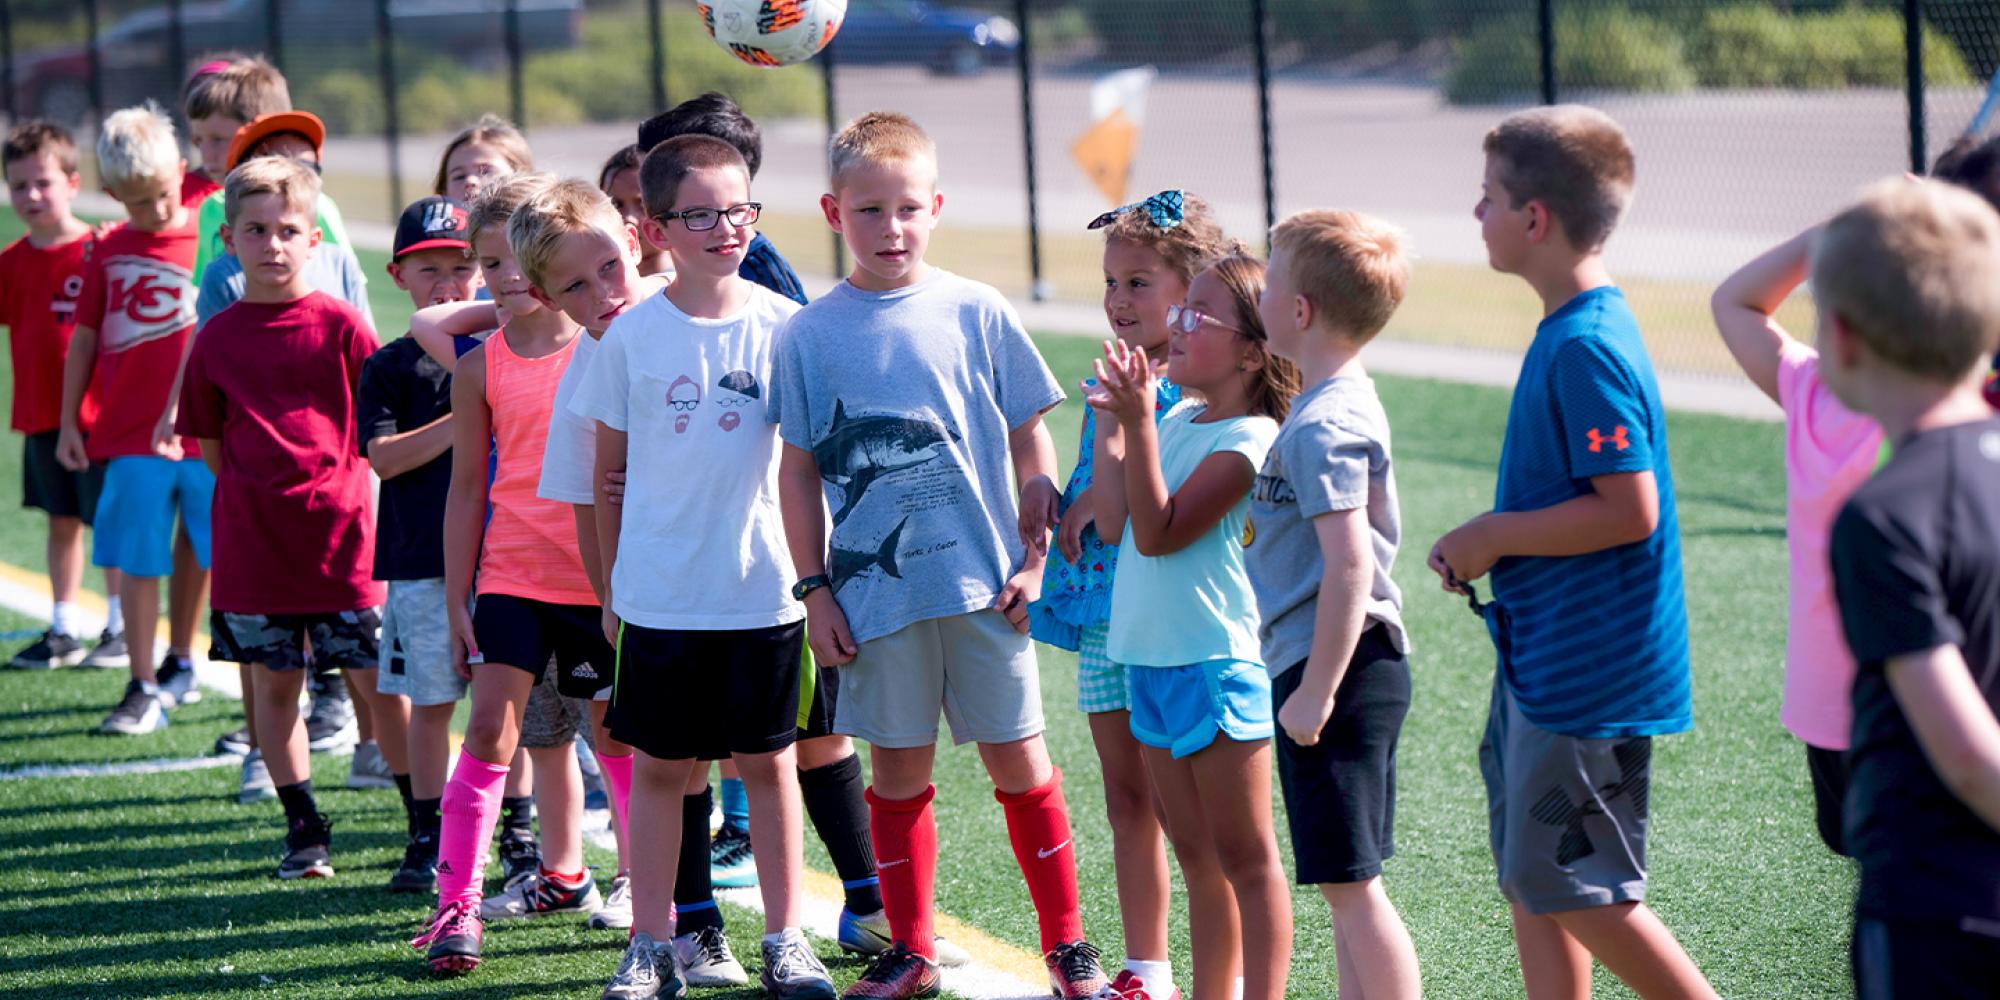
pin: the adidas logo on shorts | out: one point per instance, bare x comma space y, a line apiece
583, 672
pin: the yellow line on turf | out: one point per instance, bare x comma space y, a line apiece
985, 949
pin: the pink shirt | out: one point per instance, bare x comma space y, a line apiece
1829, 451
530, 549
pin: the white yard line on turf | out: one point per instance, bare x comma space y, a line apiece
160, 766
973, 981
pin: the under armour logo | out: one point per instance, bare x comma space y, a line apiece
1555, 807
1617, 439
1050, 852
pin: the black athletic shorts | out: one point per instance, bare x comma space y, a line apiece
47, 486
344, 640
1829, 784
1340, 793
524, 634
698, 694
1934, 960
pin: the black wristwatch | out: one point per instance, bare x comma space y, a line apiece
808, 585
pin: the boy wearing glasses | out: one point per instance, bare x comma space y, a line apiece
703, 618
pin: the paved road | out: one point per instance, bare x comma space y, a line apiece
1721, 174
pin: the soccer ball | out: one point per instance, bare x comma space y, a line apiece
772, 32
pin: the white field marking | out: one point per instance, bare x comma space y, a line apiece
160, 766
972, 981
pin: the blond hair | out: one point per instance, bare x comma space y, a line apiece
496, 205
1187, 248
137, 144
564, 208
1573, 159
246, 88
490, 130
1910, 269
1350, 266
881, 137
289, 179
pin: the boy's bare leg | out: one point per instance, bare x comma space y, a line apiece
1554, 965
655, 823
66, 558
391, 713
559, 807
285, 751
905, 772
364, 710
776, 831
141, 597
430, 749
520, 775
245, 674
1377, 958
1637, 948
187, 589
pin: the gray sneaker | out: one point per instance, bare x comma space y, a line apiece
369, 769
646, 971
705, 959
792, 971
256, 786
109, 653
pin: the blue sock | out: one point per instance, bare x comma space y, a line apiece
735, 804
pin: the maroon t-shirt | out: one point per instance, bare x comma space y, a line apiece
293, 526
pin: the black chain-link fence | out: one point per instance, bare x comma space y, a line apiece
1753, 118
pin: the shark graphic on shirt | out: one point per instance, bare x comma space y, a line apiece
847, 564
856, 451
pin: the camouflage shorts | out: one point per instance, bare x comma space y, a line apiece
341, 640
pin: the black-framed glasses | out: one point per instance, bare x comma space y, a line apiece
1188, 320
701, 220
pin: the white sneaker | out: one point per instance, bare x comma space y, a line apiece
616, 913
369, 769
647, 971
534, 895
705, 959
792, 971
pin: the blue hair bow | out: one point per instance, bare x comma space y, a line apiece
1164, 209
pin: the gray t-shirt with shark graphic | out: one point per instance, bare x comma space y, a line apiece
905, 399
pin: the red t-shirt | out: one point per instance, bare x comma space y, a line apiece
39, 287
195, 187
139, 297
293, 522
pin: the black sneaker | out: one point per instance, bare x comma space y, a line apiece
520, 856
109, 653
307, 850
1074, 972
138, 713
176, 678
236, 741
330, 724
54, 649
418, 872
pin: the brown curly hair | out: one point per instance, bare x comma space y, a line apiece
1188, 248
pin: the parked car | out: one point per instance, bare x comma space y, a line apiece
950, 40
135, 52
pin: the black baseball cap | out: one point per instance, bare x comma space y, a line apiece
431, 223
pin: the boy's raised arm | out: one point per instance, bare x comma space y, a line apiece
1958, 733
433, 328
1746, 303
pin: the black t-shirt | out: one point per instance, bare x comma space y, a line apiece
1916, 565
402, 389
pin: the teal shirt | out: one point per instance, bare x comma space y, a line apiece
1196, 604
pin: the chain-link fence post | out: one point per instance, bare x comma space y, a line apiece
1024, 55
1546, 47
1913, 67
826, 62
96, 61
274, 33
1260, 32
177, 57
7, 60
392, 119
517, 100
656, 31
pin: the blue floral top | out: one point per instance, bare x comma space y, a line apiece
1077, 595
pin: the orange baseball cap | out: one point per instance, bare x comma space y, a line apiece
262, 127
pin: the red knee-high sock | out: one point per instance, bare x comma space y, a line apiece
906, 846
1038, 826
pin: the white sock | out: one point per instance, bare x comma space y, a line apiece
1154, 973
114, 615
1239, 988
63, 618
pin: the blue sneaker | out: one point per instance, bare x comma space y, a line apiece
730, 863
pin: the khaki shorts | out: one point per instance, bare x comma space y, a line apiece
973, 666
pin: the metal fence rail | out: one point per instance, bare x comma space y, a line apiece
1753, 118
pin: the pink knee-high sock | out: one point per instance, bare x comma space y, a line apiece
471, 802
1038, 826
618, 772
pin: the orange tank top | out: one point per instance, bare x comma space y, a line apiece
530, 549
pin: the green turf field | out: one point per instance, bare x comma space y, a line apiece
161, 885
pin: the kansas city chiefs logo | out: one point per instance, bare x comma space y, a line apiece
145, 299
